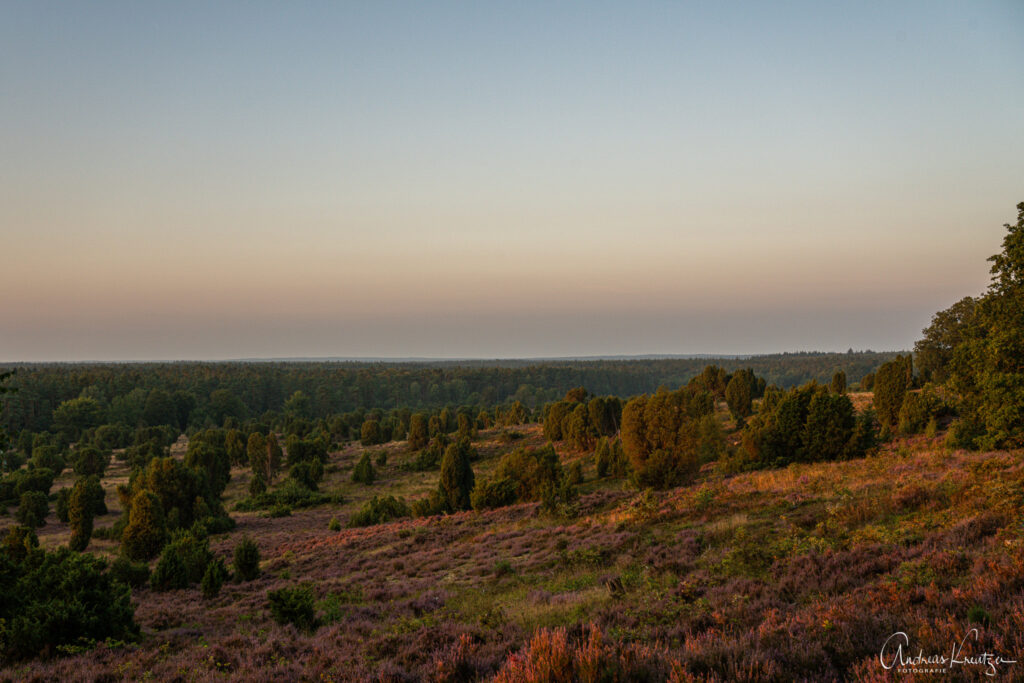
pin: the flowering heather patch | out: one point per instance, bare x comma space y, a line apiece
793, 574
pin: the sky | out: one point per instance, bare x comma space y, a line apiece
198, 180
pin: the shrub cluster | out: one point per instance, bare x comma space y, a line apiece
525, 474
806, 424
53, 599
379, 511
669, 434
455, 485
610, 459
580, 421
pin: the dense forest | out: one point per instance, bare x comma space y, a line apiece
195, 395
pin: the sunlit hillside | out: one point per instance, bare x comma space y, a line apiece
788, 574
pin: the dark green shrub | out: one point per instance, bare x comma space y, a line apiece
308, 473
213, 578
31, 479
434, 504
19, 542
830, 423
918, 409
140, 455
218, 525
364, 472
334, 524
978, 615
380, 510
81, 505
32, 509
892, 381
257, 485
60, 506
427, 459
490, 494
574, 475
370, 434
110, 436
183, 561
247, 560
867, 382
418, 435
279, 510
59, 598
457, 477
293, 606
807, 424
89, 460
134, 574
48, 457
739, 395
170, 572
610, 459
664, 469
290, 493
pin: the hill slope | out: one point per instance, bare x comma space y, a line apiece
794, 574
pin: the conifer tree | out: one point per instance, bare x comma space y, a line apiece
146, 531
418, 435
457, 478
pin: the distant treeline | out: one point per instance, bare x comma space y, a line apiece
203, 394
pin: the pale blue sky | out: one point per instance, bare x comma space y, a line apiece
223, 180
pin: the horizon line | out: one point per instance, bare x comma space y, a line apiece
452, 359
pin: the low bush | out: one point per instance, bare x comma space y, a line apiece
247, 560
364, 472
213, 578
380, 510
290, 493
183, 561
58, 599
32, 509
293, 606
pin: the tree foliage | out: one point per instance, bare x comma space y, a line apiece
51, 599
246, 560
892, 381
664, 435
806, 424
146, 530
457, 478
987, 368
84, 502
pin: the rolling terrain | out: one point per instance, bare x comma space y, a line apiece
800, 573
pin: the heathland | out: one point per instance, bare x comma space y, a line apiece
850, 516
